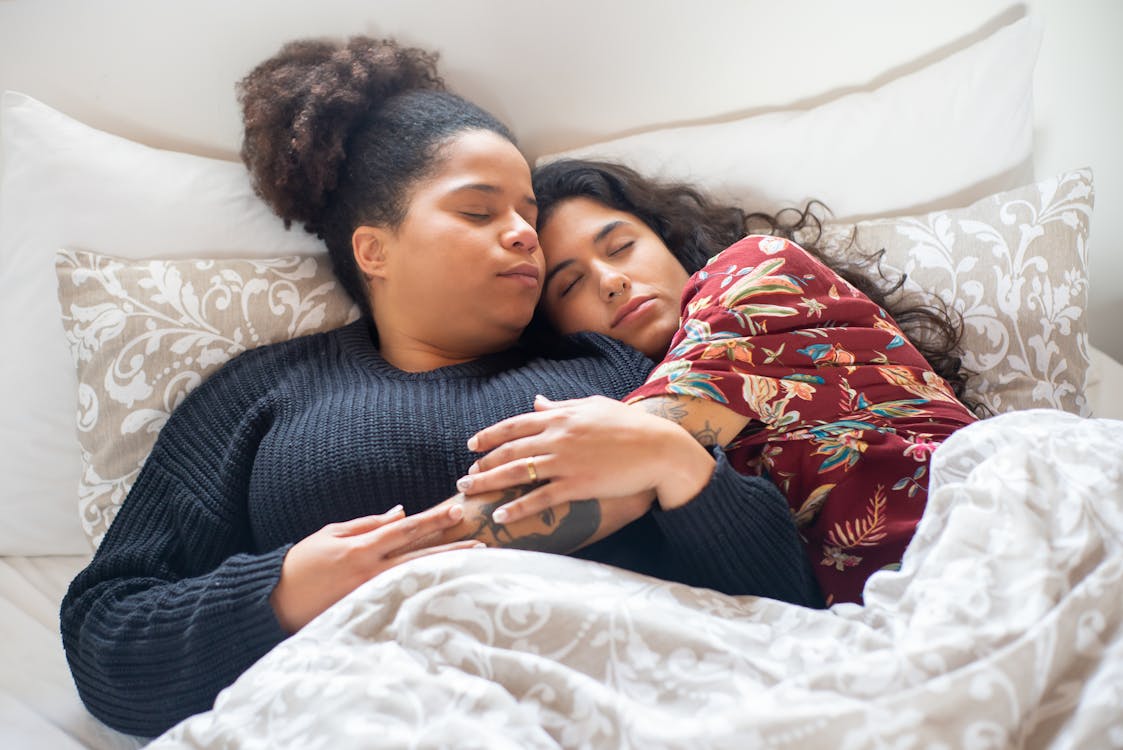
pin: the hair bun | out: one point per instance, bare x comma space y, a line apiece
300, 107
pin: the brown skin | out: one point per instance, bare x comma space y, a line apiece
608, 272
325, 566
460, 276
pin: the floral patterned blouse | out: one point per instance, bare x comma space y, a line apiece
844, 412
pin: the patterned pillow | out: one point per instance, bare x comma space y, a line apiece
1015, 266
144, 333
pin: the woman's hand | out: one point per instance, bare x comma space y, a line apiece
325, 566
588, 447
561, 529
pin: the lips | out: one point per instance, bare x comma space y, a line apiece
527, 270
628, 308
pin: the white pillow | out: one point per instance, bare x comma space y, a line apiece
68, 185
947, 135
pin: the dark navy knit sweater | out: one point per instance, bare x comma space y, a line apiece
290, 437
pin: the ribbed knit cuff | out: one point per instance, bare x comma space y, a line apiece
251, 580
738, 536
206, 641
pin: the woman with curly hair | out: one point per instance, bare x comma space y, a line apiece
801, 371
303, 469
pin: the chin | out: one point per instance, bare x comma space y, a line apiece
516, 325
649, 348
655, 342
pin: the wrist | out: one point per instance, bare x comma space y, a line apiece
689, 468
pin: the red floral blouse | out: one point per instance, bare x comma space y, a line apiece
844, 411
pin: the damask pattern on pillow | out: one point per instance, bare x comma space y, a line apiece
1015, 265
144, 333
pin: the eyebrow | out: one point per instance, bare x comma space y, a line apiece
484, 187
554, 272
606, 230
603, 232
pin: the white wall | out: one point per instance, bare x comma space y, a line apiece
1078, 97
568, 73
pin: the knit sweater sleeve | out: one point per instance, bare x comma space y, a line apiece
738, 537
175, 603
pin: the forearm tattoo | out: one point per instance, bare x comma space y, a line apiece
707, 435
669, 407
560, 529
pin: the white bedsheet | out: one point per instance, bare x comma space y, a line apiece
39, 706
1004, 628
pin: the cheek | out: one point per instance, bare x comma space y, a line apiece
574, 316
559, 318
539, 260
675, 277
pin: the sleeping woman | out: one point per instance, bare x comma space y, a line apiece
302, 469
798, 372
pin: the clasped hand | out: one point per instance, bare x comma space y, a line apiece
582, 448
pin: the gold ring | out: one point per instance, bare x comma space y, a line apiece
531, 470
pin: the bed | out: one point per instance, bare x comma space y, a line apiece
128, 273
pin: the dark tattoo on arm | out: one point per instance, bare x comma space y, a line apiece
708, 435
561, 529
669, 407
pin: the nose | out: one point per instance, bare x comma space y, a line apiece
520, 235
613, 283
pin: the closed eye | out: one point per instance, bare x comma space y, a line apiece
566, 289
626, 246
475, 216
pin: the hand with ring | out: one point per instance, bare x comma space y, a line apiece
584, 448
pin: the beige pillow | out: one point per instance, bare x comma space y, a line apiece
144, 333
1015, 265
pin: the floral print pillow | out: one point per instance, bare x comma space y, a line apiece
1015, 266
144, 333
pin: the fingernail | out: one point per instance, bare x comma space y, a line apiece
474, 468
478, 545
540, 397
499, 515
464, 484
472, 443
394, 510
455, 512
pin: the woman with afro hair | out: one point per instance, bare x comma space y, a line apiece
302, 469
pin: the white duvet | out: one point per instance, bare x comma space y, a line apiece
1004, 628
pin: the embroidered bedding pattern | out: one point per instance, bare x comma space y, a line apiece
1018, 643
144, 333
1015, 266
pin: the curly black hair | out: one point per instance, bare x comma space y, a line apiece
337, 134
695, 227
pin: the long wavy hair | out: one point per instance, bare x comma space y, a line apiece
695, 227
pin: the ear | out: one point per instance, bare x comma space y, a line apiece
369, 244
